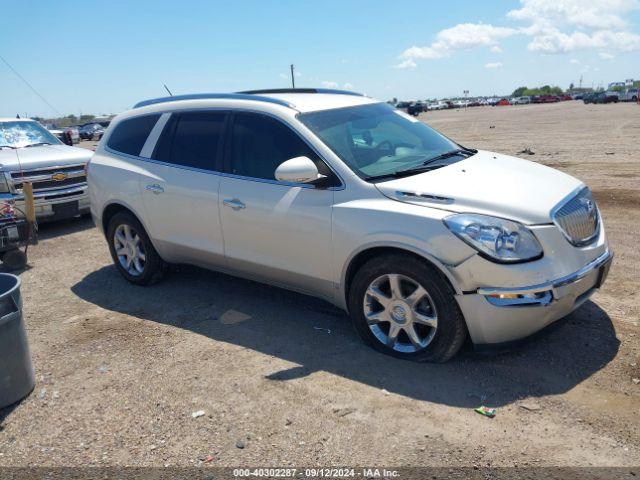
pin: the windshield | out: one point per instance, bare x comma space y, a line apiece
377, 140
21, 134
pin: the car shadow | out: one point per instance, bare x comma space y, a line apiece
67, 226
319, 337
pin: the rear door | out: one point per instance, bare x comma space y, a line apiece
274, 230
180, 185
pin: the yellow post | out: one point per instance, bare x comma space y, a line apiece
29, 204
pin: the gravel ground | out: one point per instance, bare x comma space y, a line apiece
281, 379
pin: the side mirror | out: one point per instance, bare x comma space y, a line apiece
297, 170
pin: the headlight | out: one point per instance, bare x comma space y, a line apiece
500, 240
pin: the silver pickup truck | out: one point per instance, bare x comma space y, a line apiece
28, 152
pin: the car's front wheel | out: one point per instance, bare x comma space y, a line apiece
132, 251
403, 307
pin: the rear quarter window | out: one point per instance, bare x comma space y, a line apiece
130, 135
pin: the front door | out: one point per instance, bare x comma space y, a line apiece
274, 230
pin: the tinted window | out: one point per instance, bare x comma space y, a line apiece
259, 144
130, 135
192, 139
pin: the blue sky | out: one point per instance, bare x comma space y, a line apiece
101, 57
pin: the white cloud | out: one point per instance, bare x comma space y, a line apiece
327, 84
347, 86
493, 65
408, 63
284, 76
606, 56
555, 27
591, 14
554, 41
463, 36
575, 61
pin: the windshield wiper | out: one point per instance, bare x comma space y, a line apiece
405, 173
451, 153
38, 144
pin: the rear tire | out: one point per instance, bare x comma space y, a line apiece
403, 307
132, 251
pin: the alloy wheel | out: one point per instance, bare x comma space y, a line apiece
129, 250
400, 313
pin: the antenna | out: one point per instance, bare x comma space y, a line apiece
293, 80
167, 89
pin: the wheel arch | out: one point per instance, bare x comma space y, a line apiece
360, 257
114, 208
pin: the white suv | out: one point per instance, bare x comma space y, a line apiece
343, 197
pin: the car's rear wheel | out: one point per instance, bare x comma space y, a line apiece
132, 251
403, 307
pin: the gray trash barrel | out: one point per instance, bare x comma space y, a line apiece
17, 378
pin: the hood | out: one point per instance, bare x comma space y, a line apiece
487, 183
42, 157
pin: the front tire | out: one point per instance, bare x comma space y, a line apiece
132, 251
403, 307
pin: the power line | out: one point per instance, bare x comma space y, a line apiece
24, 80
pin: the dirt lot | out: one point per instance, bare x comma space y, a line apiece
283, 379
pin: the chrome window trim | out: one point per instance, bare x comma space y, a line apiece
342, 185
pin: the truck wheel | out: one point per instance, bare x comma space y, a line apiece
132, 251
405, 308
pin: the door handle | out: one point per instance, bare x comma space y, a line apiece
235, 204
154, 188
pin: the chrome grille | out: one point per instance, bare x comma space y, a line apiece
50, 179
578, 218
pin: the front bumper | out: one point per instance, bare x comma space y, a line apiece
498, 315
55, 204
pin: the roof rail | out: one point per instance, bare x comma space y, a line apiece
302, 90
213, 96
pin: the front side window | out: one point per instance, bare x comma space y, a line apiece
378, 140
131, 134
259, 144
192, 139
20, 134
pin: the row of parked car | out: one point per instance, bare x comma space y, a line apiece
416, 107
610, 96
72, 135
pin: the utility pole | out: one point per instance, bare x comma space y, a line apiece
293, 80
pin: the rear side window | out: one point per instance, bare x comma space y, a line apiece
259, 144
130, 135
192, 139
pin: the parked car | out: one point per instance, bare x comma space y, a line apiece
503, 102
589, 97
341, 196
630, 95
28, 152
91, 131
605, 97
520, 100
67, 135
